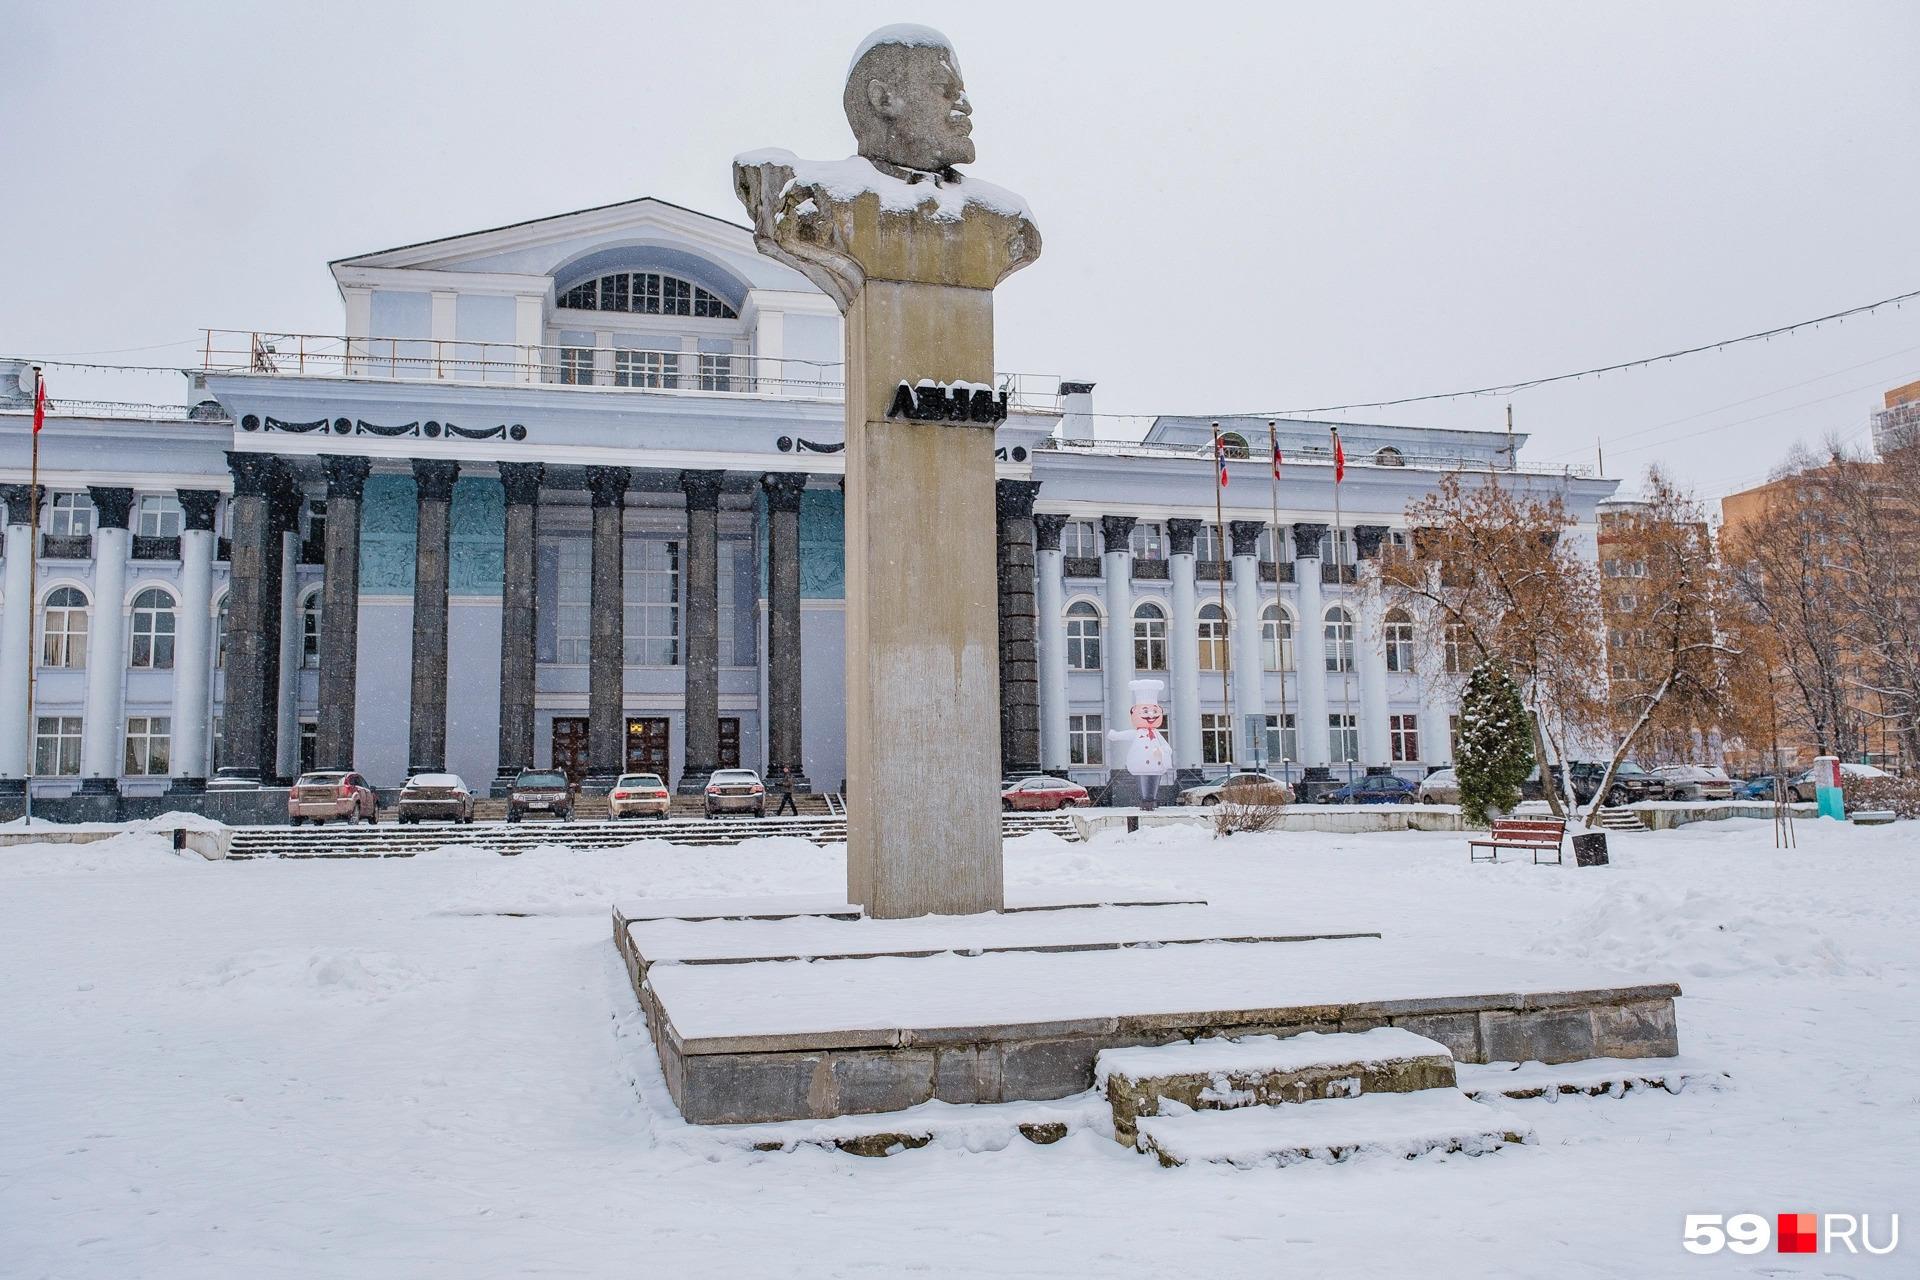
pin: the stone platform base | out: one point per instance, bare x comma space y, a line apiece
982, 1009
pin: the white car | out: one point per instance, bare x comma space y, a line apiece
1442, 786
1259, 788
1695, 782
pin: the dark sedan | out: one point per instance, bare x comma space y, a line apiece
1376, 788
542, 792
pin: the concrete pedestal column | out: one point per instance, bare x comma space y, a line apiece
250, 645
283, 517
292, 631
427, 728
16, 641
1019, 662
1050, 639
700, 624
340, 613
1310, 648
102, 737
606, 634
1370, 649
193, 641
521, 480
1183, 644
1249, 697
1116, 654
784, 743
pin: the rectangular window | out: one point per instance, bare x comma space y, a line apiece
739, 630
309, 744
656, 369
160, 516
576, 366
1336, 540
1453, 736
70, 514
1269, 545
148, 741
652, 596
56, 748
572, 560
1283, 739
1208, 547
716, 371
1148, 542
1216, 738
1086, 740
1079, 540
1403, 736
1343, 737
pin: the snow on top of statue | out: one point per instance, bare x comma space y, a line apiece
855, 176
907, 33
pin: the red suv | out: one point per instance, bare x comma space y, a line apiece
321, 797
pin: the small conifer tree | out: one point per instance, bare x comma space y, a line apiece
1495, 753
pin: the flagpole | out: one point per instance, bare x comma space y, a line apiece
33, 587
1351, 726
1220, 548
1279, 605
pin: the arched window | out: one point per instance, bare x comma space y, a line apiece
1339, 631
220, 636
310, 629
647, 293
1389, 457
1213, 638
1399, 637
1149, 637
1083, 637
153, 626
1233, 444
63, 637
1276, 638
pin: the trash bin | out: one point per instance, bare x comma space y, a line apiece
1590, 850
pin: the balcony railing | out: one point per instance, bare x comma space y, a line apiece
1293, 451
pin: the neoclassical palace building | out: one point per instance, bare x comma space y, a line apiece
568, 493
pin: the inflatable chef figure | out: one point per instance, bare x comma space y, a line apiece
1148, 753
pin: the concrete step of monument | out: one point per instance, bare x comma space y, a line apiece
1591, 1077
1403, 1125
1621, 819
1224, 1074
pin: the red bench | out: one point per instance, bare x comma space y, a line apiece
1539, 835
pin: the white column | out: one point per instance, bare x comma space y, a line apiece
1116, 658
16, 640
1183, 639
1310, 647
192, 656
1248, 669
1370, 660
287, 748
1050, 602
101, 740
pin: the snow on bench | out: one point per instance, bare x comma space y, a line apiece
1387, 1124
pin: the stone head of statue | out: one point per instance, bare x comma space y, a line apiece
906, 101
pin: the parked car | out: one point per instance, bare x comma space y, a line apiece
1757, 787
1695, 782
1805, 789
324, 797
637, 795
1630, 783
736, 791
1374, 788
1042, 793
1246, 788
540, 791
1442, 786
435, 795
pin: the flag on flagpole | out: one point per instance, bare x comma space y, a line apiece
39, 402
1220, 457
1339, 459
1276, 458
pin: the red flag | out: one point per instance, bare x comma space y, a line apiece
39, 402
1220, 458
1276, 459
1339, 459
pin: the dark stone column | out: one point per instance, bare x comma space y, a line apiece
1019, 652
522, 483
427, 727
1367, 539
250, 681
283, 518
340, 612
783, 629
701, 627
606, 643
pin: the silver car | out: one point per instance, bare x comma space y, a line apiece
1442, 786
1246, 788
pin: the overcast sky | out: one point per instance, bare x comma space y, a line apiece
1245, 207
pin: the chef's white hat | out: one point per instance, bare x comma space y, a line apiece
1146, 690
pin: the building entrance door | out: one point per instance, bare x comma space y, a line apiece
648, 741
570, 747
729, 742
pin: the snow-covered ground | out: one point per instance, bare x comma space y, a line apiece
356, 1068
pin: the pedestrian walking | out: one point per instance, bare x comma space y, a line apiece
787, 803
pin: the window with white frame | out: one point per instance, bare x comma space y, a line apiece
56, 746
716, 371
1079, 540
310, 629
149, 743
1403, 738
1216, 738
1283, 738
70, 514
1277, 548
1083, 636
1343, 737
1086, 740
1276, 639
1339, 634
1148, 541
1336, 540
159, 516
572, 614
1208, 545
576, 366
1453, 737
1149, 637
63, 629
647, 293
1212, 628
154, 622
656, 369
1455, 648
220, 635
1398, 629
651, 567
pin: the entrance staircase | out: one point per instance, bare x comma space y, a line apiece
387, 839
1620, 818
1265, 1100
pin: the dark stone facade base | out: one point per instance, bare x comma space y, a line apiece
253, 806
99, 787
12, 787
188, 787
